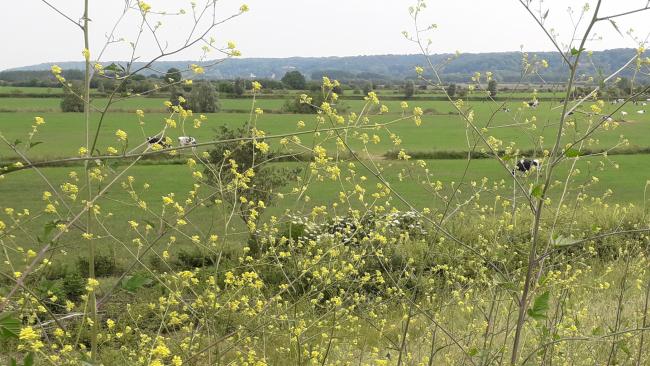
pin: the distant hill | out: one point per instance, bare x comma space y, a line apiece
506, 66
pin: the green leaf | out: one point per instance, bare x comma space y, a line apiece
572, 153
9, 325
32, 144
562, 241
134, 282
575, 52
537, 191
17, 142
29, 359
540, 306
114, 67
545, 14
47, 230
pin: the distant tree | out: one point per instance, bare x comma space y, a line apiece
451, 90
238, 87
295, 106
409, 89
72, 98
142, 86
225, 87
625, 85
367, 87
313, 86
204, 98
137, 77
295, 80
177, 97
492, 88
338, 89
173, 75
269, 84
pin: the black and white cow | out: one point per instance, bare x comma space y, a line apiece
186, 140
533, 103
525, 165
158, 140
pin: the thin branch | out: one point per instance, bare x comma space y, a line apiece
63, 14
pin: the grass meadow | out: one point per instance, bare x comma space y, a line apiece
474, 199
442, 130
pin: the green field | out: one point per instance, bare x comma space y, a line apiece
441, 129
30, 90
627, 182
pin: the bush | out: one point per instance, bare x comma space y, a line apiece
294, 80
73, 99
74, 285
261, 186
178, 97
296, 106
105, 266
194, 259
203, 98
409, 89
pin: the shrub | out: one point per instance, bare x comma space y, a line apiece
194, 259
262, 182
409, 89
203, 98
74, 285
295, 105
294, 80
73, 99
105, 266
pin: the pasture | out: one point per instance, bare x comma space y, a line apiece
408, 181
442, 129
607, 191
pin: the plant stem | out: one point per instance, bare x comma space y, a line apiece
92, 303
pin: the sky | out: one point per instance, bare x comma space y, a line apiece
34, 33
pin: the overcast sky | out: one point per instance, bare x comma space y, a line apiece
33, 33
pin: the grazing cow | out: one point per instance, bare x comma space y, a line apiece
507, 110
186, 140
533, 103
623, 113
642, 111
158, 140
525, 165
